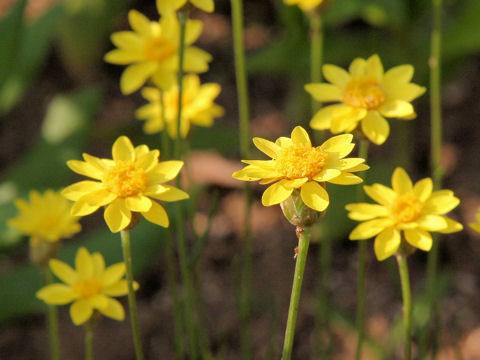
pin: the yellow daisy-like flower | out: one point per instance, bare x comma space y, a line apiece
131, 182
45, 217
168, 6
90, 287
151, 51
198, 107
305, 5
476, 226
366, 95
409, 208
296, 164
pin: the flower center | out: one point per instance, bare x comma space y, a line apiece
87, 288
125, 180
363, 93
301, 160
159, 49
407, 208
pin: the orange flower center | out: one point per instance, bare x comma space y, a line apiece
301, 160
407, 208
87, 288
159, 49
363, 93
125, 180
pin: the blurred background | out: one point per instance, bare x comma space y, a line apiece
58, 98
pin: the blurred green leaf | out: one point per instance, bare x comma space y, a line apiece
19, 286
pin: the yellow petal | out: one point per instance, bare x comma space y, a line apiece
366, 211
452, 226
80, 312
157, 215
418, 238
423, 189
380, 193
117, 216
396, 108
346, 178
441, 202
374, 68
387, 243
81, 188
84, 263
375, 127
122, 57
165, 7
134, 76
275, 194
432, 222
357, 68
82, 208
127, 41
99, 198
336, 75
196, 60
98, 264
112, 274
398, 75
123, 150
300, 136
63, 271
401, 182
205, 5
369, 229
138, 203
84, 168
98, 301
405, 92
294, 183
119, 288
113, 310
327, 175
172, 194
269, 148
148, 161
349, 163
340, 144
165, 171
56, 294
140, 23
314, 196
324, 92
193, 31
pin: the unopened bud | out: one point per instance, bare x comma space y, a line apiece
297, 213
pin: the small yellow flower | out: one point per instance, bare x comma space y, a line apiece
305, 5
131, 182
476, 226
198, 107
90, 287
45, 217
409, 208
151, 51
296, 164
167, 6
366, 95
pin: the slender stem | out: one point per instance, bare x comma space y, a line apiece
316, 54
362, 266
165, 141
52, 320
303, 243
127, 257
407, 304
244, 116
435, 155
88, 341
182, 19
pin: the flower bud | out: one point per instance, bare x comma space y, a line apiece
297, 213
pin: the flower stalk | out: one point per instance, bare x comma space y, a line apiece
316, 53
89, 340
407, 304
303, 243
52, 320
244, 116
362, 266
127, 257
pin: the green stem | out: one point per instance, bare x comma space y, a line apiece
52, 320
127, 257
435, 156
362, 266
407, 304
166, 151
88, 341
316, 54
244, 116
182, 19
303, 243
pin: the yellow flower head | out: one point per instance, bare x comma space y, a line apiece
413, 209
476, 226
90, 287
296, 164
151, 51
198, 107
131, 182
367, 95
305, 5
168, 6
45, 217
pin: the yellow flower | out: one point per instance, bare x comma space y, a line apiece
90, 287
167, 6
131, 182
305, 5
198, 107
152, 50
296, 164
476, 226
366, 95
45, 217
413, 209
